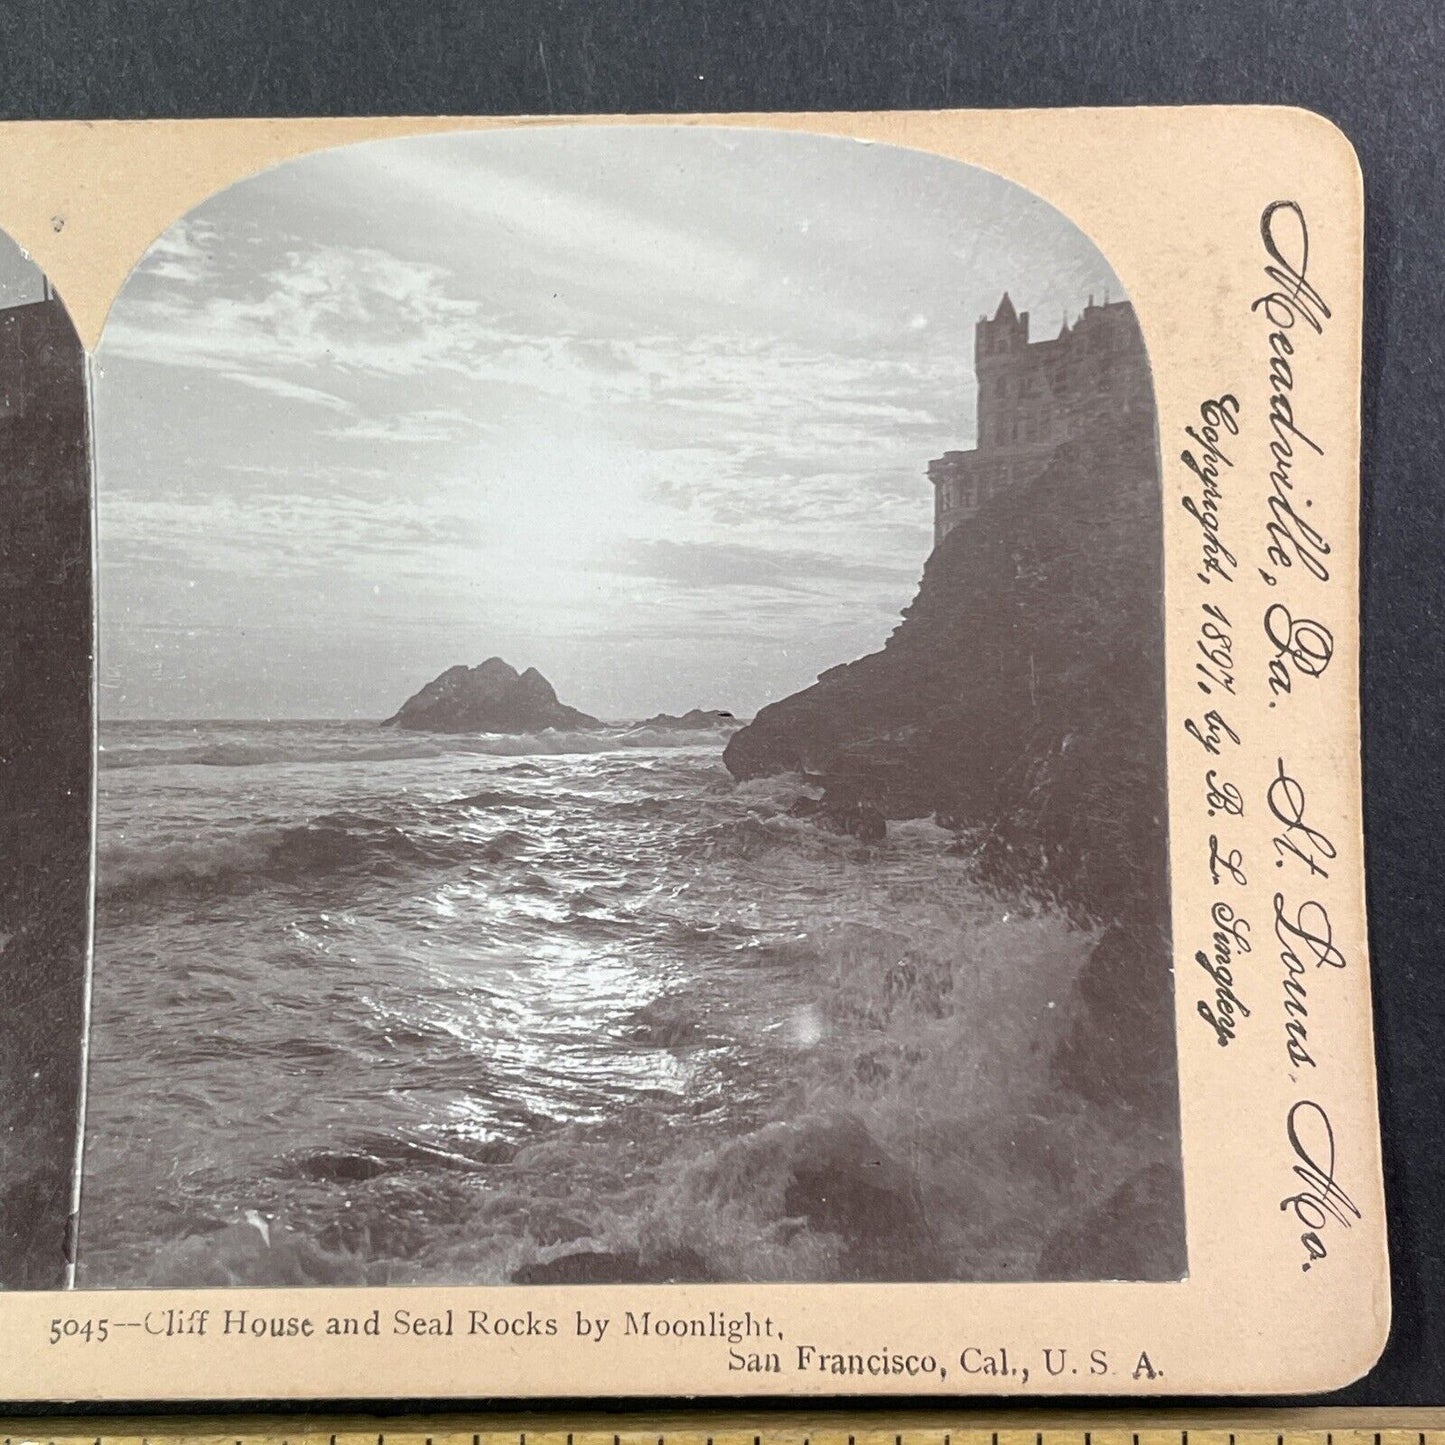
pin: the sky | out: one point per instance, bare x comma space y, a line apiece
21, 281
649, 409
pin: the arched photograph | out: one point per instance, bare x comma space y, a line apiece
631, 728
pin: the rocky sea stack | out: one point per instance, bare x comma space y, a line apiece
492, 697
696, 720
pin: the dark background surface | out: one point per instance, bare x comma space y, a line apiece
1376, 69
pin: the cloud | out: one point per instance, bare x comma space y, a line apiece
318, 305
699, 564
287, 390
410, 428
523, 391
180, 254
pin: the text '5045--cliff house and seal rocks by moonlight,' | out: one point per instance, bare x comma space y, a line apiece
699, 919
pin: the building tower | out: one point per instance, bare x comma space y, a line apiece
1034, 395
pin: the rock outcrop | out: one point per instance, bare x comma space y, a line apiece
1021, 703
490, 698
1121, 1238
1022, 697
698, 718
673, 1266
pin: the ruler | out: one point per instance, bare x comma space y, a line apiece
1244, 1426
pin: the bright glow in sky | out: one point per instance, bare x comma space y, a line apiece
646, 408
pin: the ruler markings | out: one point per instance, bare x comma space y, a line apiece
786, 1430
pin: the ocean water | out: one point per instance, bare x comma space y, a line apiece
377, 1007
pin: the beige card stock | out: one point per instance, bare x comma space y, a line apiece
727, 754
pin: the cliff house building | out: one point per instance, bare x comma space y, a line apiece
1034, 395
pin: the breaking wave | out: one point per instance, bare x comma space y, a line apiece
906, 1131
273, 854
572, 1017
255, 749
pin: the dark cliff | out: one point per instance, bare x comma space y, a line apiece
46, 753
1021, 702
1022, 697
492, 697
